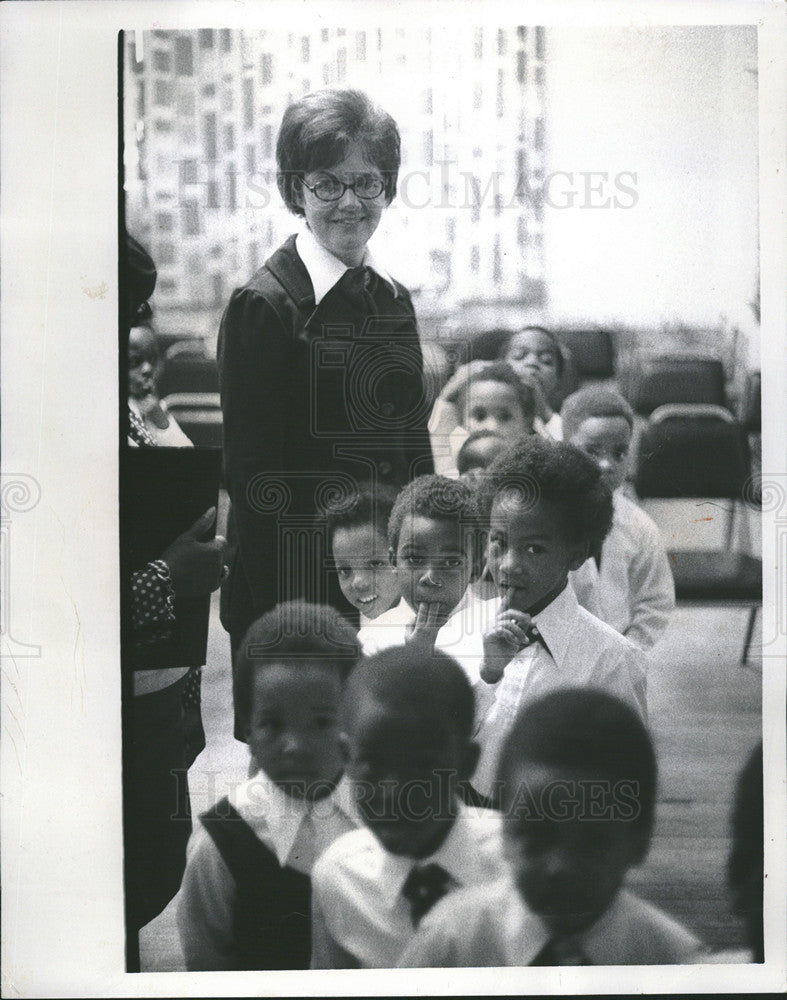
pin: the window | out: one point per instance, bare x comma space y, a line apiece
521, 67
206, 39
189, 217
161, 126
188, 171
226, 40
450, 230
428, 148
341, 65
162, 93
475, 259
254, 256
184, 60
232, 188
166, 285
218, 288
479, 43
266, 68
501, 42
267, 141
227, 100
251, 158
248, 102
141, 100
209, 138
213, 194
360, 46
500, 95
521, 33
476, 96
165, 253
497, 262
229, 138
209, 90
164, 222
539, 43
305, 49
428, 100
538, 133
324, 34
162, 61
185, 102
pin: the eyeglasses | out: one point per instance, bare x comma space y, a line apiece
329, 188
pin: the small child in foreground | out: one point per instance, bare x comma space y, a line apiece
246, 895
578, 778
547, 508
629, 585
409, 721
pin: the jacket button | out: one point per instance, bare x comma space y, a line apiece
385, 468
387, 409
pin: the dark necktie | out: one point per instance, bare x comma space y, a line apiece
359, 282
561, 951
425, 885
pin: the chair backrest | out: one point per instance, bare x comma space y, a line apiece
186, 368
199, 415
676, 379
692, 451
592, 352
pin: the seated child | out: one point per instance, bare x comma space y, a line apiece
537, 358
547, 507
578, 778
246, 895
148, 414
482, 396
432, 534
631, 587
477, 453
357, 528
409, 721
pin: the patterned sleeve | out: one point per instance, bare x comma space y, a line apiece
152, 602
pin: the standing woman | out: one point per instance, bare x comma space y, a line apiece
320, 366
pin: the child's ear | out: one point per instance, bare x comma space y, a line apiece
469, 761
344, 747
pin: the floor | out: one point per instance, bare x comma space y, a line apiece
704, 711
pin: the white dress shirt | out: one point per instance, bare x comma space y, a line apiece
325, 269
579, 651
633, 591
489, 926
297, 832
461, 637
359, 914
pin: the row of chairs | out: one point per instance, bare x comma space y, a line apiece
689, 447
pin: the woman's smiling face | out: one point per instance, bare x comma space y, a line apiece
345, 226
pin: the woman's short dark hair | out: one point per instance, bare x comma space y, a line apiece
317, 130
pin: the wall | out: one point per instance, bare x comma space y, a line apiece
678, 107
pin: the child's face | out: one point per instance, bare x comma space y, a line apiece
404, 767
528, 553
366, 576
568, 865
495, 406
142, 358
434, 563
294, 729
606, 440
532, 355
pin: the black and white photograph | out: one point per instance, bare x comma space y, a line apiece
405, 466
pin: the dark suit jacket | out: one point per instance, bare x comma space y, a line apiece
315, 399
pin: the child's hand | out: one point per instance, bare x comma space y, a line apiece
196, 567
543, 410
457, 384
422, 633
503, 641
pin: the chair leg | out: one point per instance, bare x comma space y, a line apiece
749, 633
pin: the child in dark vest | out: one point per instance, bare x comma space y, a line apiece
245, 899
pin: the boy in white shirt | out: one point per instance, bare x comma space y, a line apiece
629, 585
578, 780
246, 895
409, 722
433, 547
547, 508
